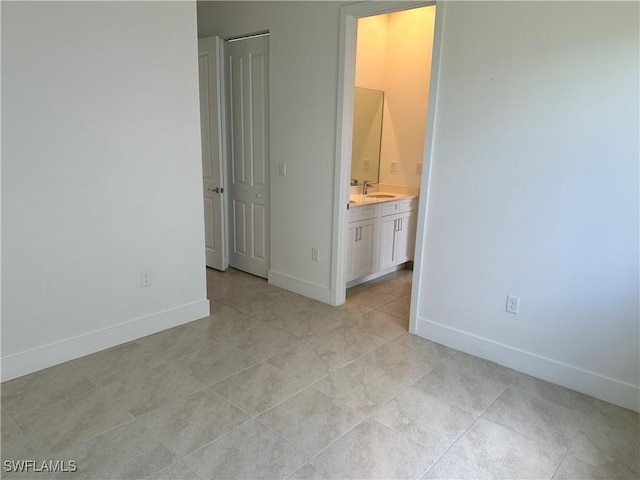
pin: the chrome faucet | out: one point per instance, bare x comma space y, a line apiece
365, 186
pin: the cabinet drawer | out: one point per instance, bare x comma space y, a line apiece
364, 212
399, 206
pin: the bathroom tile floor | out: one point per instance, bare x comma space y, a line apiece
275, 385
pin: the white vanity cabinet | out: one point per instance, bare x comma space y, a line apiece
379, 238
397, 233
362, 241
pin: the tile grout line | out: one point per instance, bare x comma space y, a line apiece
311, 455
215, 439
88, 392
570, 444
22, 434
467, 429
546, 442
459, 436
209, 385
373, 413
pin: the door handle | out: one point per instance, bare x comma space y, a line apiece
216, 190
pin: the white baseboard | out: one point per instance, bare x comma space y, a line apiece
378, 274
52, 354
302, 287
590, 383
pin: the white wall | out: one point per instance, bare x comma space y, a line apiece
101, 177
534, 192
303, 72
534, 181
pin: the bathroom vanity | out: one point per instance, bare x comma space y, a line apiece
380, 235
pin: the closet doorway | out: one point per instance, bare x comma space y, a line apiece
234, 111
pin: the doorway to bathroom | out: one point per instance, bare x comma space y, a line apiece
391, 49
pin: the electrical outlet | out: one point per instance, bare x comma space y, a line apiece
513, 304
365, 164
315, 254
419, 167
282, 169
394, 167
145, 279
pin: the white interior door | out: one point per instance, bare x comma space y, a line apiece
211, 115
247, 68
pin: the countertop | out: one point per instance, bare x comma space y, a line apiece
360, 199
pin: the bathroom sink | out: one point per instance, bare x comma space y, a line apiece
381, 195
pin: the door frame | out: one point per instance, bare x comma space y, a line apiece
224, 142
349, 16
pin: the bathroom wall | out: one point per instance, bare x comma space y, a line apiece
394, 55
371, 52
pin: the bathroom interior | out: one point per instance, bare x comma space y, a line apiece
393, 66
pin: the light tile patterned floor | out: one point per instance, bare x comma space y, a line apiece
275, 385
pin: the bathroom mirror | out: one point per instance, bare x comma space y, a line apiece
367, 133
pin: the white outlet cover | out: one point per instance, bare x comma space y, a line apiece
513, 304
394, 167
145, 279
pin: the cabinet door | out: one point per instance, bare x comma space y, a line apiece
403, 239
387, 241
366, 248
351, 253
